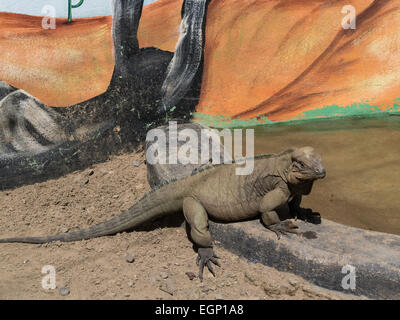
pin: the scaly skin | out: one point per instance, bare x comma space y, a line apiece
272, 190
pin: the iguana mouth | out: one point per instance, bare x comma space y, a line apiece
315, 176
321, 174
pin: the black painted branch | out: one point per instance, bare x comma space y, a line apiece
188, 54
126, 17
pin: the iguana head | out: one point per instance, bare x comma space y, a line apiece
305, 169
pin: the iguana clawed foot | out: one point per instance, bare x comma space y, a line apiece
205, 257
288, 226
284, 227
308, 215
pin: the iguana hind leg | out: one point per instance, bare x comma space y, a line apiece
197, 217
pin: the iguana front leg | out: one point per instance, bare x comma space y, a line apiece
197, 217
271, 202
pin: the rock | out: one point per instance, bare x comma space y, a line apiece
190, 275
271, 288
322, 261
64, 230
293, 283
64, 291
250, 278
308, 290
91, 172
163, 275
291, 291
136, 163
205, 289
129, 258
157, 173
26, 261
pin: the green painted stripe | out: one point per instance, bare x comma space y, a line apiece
326, 112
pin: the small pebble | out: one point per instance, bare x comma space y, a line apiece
136, 163
64, 291
205, 289
64, 230
155, 278
91, 172
243, 293
164, 275
129, 258
26, 261
219, 297
190, 275
293, 283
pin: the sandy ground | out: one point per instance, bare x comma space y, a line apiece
98, 268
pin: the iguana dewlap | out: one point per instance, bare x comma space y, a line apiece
271, 191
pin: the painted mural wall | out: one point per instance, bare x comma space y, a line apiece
264, 60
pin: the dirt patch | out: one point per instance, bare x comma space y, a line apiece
149, 263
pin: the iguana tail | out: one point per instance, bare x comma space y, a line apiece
144, 210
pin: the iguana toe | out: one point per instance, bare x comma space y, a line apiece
308, 215
205, 257
284, 227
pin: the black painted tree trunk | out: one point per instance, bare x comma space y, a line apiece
182, 79
126, 18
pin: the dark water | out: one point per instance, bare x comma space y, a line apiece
362, 159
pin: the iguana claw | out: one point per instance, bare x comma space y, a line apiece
308, 215
205, 257
284, 227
